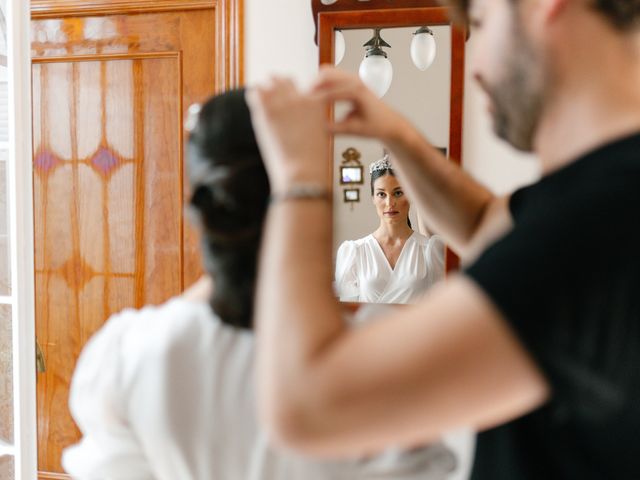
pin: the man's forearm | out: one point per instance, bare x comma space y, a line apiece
451, 201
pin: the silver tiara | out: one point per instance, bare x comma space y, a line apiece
382, 164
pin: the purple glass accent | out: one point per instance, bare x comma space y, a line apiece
104, 160
46, 161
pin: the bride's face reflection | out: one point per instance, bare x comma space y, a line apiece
392, 205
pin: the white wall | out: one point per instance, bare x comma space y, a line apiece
279, 39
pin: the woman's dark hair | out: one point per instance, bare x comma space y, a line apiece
230, 192
376, 174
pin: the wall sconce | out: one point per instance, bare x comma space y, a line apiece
376, 70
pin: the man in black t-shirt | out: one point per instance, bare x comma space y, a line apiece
536, 343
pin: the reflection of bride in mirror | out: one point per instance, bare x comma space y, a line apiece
394, 264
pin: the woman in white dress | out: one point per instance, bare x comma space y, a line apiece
167, 392
394, 264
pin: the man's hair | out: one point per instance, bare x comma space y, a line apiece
622, 14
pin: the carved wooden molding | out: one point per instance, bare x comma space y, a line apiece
105, 57
361, 5
229, 18
77, 8
229, 44
346, 5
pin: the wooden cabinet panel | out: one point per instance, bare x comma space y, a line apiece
109, 97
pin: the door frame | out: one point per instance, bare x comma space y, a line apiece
20, 215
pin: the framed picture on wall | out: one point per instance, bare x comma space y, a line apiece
351, 195
351, 175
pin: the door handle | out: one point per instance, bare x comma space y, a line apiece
41, 367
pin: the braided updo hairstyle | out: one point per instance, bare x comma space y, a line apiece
230, 192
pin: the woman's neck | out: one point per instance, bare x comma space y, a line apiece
390, 233
200, 291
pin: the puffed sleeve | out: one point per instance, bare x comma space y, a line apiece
347, 287
109, 448
436, 256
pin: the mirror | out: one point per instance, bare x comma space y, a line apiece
432, 100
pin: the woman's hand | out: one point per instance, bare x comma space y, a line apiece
291, 128
369, 116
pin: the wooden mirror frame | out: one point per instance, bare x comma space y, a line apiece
359, 14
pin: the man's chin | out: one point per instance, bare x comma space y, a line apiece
524, 146
519, 141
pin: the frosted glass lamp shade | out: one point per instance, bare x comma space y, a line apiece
328, 2
339, 47
376, 72
423, 49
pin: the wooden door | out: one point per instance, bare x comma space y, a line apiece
111, 83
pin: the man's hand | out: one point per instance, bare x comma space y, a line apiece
291, 128
369, 116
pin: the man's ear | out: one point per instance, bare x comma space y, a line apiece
551, 9
543, 14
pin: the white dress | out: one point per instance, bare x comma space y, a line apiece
168, 393
363, 273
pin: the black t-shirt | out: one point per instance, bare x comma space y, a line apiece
567, 279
